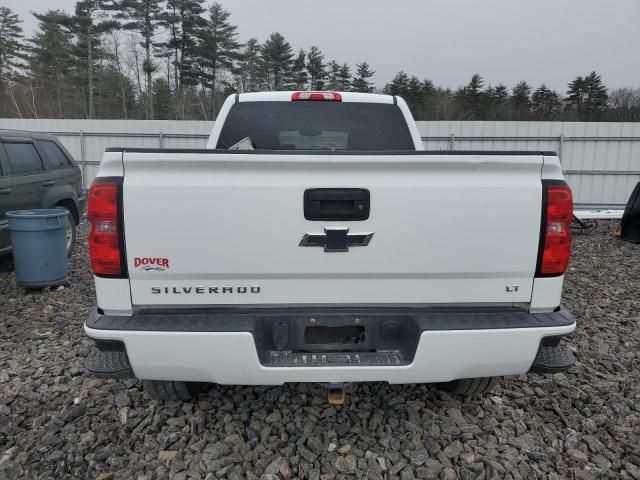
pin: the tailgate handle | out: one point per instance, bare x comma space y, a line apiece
336, 204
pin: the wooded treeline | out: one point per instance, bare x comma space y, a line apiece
179, 59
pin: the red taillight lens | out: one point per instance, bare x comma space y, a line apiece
316, 97
555, 245
104, 213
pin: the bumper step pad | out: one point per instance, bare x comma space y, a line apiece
333, 359
108, 364
552, 359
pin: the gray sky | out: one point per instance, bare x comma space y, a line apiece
447, 41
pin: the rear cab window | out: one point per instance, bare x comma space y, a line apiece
328, 126
57, 158
23, 158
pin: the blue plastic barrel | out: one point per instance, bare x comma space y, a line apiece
39, 246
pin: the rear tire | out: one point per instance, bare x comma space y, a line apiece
469, 387
70, 233
169, 390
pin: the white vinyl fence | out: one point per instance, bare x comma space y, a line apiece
601, 159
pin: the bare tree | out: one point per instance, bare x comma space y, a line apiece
116, 52
624, 104
30, 97
134, 61
14, 101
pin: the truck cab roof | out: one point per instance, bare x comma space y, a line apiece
286, 96
388, 115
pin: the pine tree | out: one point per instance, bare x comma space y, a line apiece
316, 68
428, 87
87, 25
277, 59
143, 17
344, 77
545, 102
181, 19
299, 74
414, 93
596, 94
110, 85
471, 98
587, 96
497, 100
11, 49
360, 82
576, 93
419, 95
428, 99
217, 50
50, 61
520, 100
162, 98
500, 92
474, 87
399, 85
247, 70
333, 75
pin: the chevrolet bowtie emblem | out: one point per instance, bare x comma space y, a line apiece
336, 239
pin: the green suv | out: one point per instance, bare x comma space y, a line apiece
36, 171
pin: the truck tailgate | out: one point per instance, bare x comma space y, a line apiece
212, 228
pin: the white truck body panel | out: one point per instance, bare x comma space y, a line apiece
546, 294
447, 228
114, 295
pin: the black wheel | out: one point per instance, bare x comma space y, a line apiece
168, 390
468, 387
70, 233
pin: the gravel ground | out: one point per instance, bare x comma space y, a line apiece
58, 422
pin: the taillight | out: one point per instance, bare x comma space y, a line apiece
106, 241
316, 97
555, 233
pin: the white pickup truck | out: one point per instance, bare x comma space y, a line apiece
330, 248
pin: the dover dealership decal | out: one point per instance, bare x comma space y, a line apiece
151, 263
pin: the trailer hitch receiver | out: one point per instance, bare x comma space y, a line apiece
336, 394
